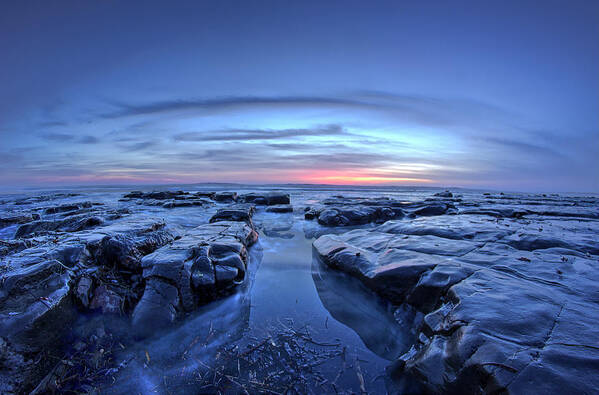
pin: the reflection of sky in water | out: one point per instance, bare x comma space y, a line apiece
284, 288
280, 292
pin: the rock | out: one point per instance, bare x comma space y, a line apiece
18, 219
268, 199
192, 270
67, 207
134, 195
281, 208
237, 213
69, 224
36, 311
225, 197
156, 195
460, 227
348, 216
432, 209
352, 304
106, 300
312, 213
200, 194
44, 198
127, 250
13, 246
501, 313
225, 274
83, 292
185, 203
445, 194
157, 308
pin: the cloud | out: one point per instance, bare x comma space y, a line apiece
246, 135
373, 133
522, 146
59, 137
67, 137
89, 140
51, 124
473, 115
138, 146
124, 109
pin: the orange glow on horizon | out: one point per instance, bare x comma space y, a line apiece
332, 177
357, 177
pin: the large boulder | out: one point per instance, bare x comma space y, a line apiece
193, 270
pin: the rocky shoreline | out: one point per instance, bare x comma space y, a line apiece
501, 289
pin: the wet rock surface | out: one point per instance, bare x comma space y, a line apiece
90, 258
458, 291
506, 301
193, 270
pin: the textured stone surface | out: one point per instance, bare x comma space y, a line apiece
507, 305
192, 270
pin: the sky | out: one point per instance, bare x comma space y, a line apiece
478, 94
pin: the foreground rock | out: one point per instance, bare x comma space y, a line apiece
132, 265
35, 307
208, 260
504, 308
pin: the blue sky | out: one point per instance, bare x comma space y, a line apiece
478, 94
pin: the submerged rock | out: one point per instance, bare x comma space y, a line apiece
186, 203
106, 300
280, 208
83, 291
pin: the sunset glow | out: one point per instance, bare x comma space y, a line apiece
274, 98
358, 178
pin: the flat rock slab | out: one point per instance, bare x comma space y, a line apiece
507, 306
241, 213
268, 199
